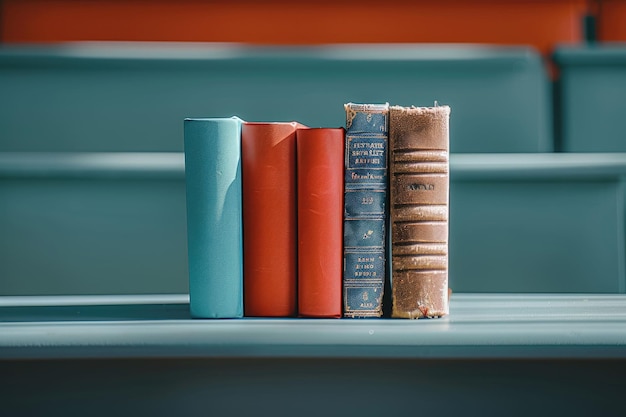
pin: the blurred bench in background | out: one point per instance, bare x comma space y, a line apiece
592, 97
92, 175
114, 223
78, 223
134, 97
537, 223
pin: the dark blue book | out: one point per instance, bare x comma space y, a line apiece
365, 209
214, 222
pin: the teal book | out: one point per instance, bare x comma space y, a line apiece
365, 209
214, 216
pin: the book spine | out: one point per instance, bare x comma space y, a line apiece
365, 209
419, 195
212, 150
269, 219
320, 221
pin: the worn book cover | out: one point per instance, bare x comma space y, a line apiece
269, 218
419, 195
365, 209
212, 150
320, 221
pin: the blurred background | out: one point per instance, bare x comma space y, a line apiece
93, 95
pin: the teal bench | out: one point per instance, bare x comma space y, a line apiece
92, 223
102, 356
114, 223
537, 223
119, 97
592, 98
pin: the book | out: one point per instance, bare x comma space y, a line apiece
320, 169
419, 196
212, 150
269, 218
365, 209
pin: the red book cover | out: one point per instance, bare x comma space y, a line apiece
320, 161
268, 154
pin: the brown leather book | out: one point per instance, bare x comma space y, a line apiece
268, 156
419, 193
320, 221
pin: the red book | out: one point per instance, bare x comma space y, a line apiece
320, 161
268, 154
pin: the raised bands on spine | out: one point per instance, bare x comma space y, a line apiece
412, 155
424, 262
416, 168
411, 212
420, 249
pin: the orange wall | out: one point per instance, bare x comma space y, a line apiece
542, 23
612, 20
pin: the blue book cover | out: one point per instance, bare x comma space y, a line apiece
365, 209
214, 216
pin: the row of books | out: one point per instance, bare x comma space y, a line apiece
284, 220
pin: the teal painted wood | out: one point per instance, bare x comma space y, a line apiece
214, 217
592, 98
480, 326
564, 352
89, 97
284, 387
542, 224
92, 224
115, 223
